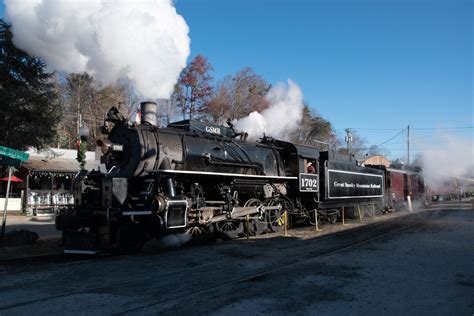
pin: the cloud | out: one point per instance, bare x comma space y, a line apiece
145, 41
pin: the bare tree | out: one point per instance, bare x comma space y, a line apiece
86, 103
219, 105
166, 112
237, 96
356, 148
194, 89
78, 94
248, 91
375, 150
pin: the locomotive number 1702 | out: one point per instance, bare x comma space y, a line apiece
309, 182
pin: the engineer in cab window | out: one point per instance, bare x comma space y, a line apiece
310, 168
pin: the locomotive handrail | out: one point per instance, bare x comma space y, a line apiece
171, 171
211, 161
113, 167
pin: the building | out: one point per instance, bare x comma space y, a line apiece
46, 181
376, 161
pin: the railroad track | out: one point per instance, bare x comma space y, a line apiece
61, 259
308, 258
301, 252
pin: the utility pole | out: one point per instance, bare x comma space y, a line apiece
79, 123
348, 139
408, 145
79, 118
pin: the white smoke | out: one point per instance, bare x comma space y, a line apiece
281, 118
452, 156
145, 41
174, 240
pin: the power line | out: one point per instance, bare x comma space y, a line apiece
398, 134
441, 128
368, 129
375, 131
397, 129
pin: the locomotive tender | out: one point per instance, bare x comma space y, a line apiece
200, 178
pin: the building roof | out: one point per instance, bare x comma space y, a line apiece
60, 153
376, 161
35, 164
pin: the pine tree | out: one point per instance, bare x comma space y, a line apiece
29, 106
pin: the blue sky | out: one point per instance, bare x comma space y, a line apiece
374, 66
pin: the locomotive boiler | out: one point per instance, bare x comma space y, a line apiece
201, 178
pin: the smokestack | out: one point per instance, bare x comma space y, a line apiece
148, 110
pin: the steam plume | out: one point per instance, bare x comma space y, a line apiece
452, 157
281, 118
175, 240
145, 41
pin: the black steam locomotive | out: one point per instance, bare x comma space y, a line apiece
200, 178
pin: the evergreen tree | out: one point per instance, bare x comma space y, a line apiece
29, 106
314, 130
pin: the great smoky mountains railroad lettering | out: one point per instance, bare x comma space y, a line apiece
351, 184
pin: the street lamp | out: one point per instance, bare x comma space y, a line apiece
82, 145
83, 131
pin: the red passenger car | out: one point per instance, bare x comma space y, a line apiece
399, 184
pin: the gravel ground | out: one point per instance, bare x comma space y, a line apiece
43, 226
421, 263
49, 237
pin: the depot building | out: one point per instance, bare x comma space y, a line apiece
44, 183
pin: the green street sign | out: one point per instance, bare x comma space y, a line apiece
13, 153
7, 161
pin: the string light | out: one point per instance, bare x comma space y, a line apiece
51, 174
